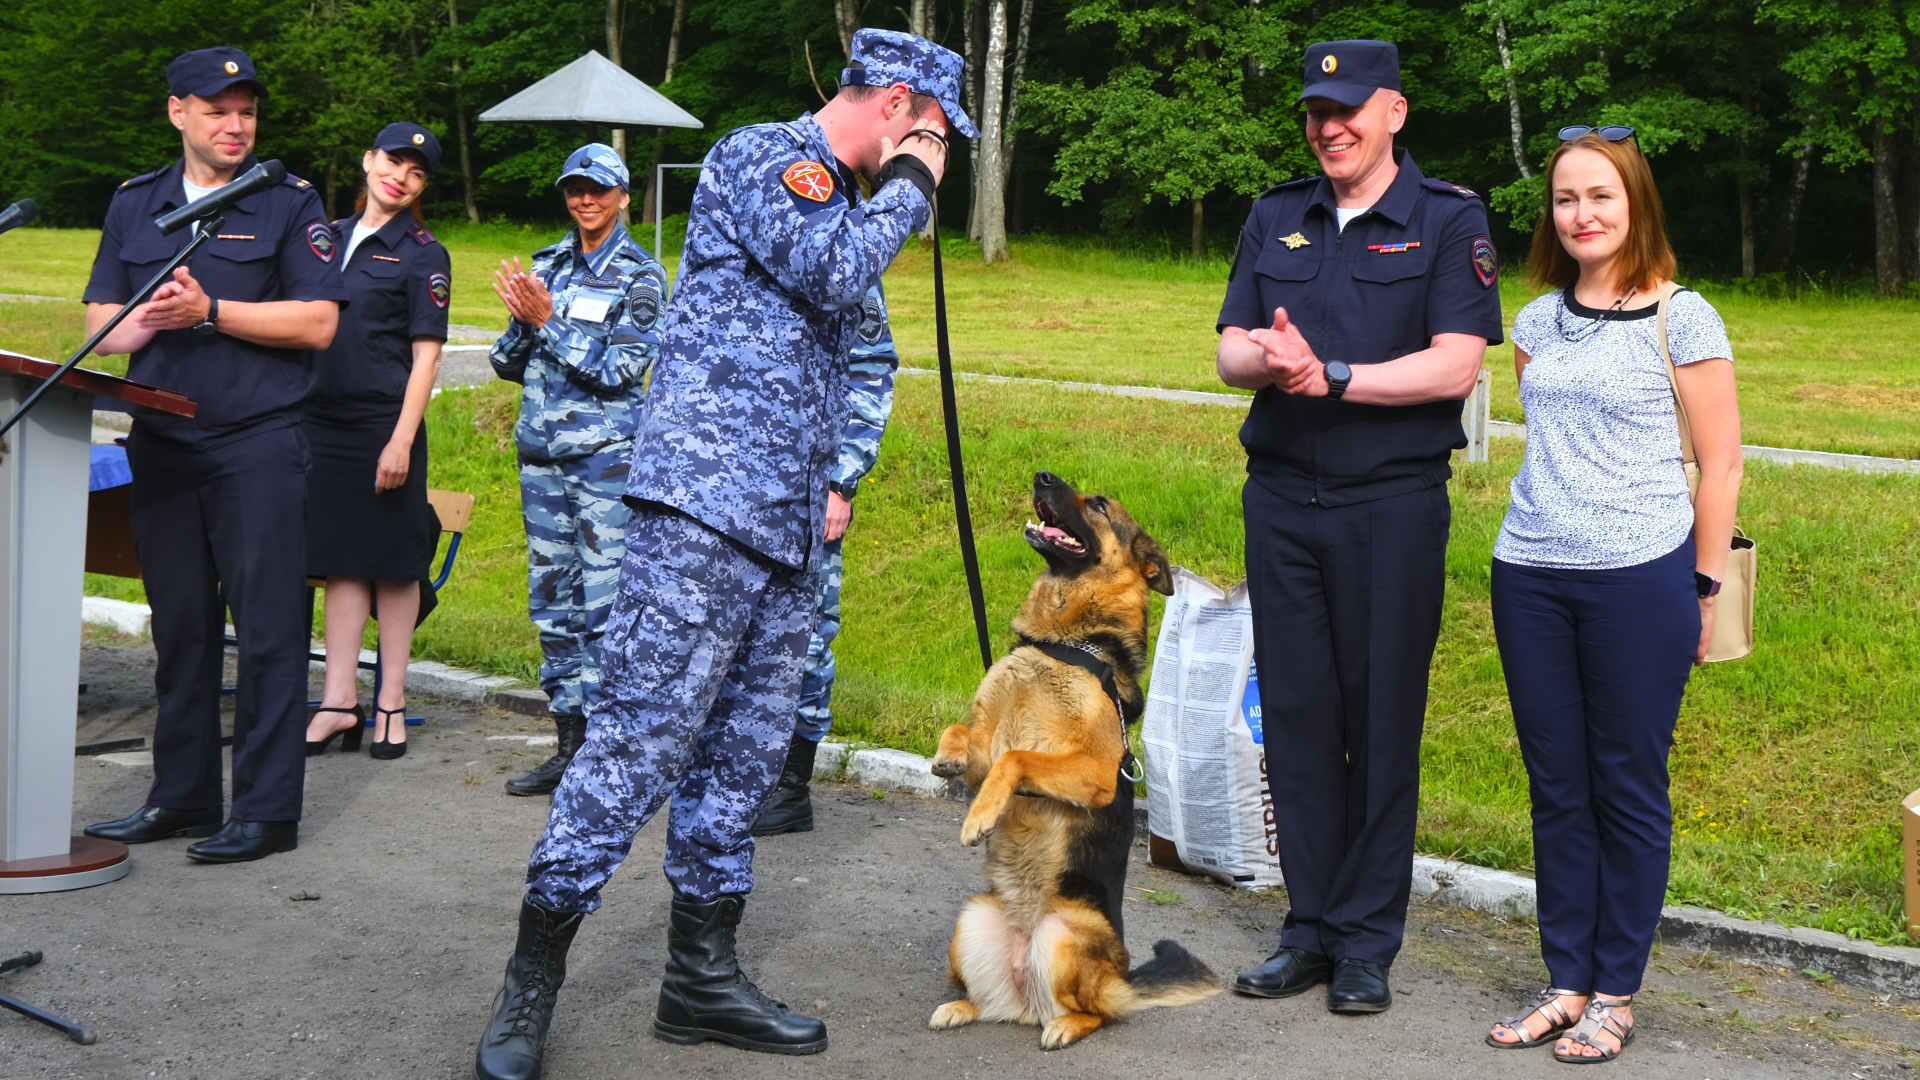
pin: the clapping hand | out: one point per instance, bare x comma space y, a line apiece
526, 296
176, 305
1290, 360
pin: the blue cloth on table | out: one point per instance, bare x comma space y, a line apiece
109, 468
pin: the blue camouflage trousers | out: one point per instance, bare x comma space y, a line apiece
816, 686
702, 664
576, 527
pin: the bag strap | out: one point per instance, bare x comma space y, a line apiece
1687, 456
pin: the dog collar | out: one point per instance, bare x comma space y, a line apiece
1092, 659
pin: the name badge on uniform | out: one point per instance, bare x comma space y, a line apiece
588, 309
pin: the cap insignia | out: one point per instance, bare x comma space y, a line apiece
419, 139
809, 180
1328, 63
233, 68
1295, 241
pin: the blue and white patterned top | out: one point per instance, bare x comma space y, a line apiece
1602, 486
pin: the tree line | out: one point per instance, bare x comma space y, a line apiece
1782, 132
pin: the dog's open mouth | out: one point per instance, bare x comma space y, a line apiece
1050, 532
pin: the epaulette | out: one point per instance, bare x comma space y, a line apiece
141, 179
1450, 189
419, 232
340, 226
1289, 185
295, 182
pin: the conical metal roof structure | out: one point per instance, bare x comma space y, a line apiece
593, 90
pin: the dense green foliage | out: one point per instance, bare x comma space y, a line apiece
1131, 110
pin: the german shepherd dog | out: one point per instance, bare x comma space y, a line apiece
1044, 748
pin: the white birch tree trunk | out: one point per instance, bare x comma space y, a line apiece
1513, 97
991, 192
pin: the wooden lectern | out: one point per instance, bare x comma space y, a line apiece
43, 530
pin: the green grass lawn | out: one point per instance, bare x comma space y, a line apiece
1788, 766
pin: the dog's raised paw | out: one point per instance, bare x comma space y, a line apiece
949, 769
973, 834
954, 1014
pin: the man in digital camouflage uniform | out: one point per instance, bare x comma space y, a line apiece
706, 644
870, 370
581, 341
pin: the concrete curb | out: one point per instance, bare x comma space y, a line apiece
122, 616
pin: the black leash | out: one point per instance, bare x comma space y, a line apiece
952, 413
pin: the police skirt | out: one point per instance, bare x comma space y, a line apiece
354, 531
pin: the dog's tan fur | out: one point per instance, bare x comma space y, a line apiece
1024, 951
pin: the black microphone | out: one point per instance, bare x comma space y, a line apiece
18, 214
265, 175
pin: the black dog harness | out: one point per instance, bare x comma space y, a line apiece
1089, 658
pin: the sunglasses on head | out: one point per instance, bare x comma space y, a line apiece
1611, 133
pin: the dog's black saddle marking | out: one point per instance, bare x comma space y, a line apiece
1089, 658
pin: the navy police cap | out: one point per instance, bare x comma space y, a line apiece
1350, 71
405, 136
206, 72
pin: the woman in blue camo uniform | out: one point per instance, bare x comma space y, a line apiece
582, 339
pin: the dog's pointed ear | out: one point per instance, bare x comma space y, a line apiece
1153, 564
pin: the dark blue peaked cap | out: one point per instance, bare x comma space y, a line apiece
1350, 71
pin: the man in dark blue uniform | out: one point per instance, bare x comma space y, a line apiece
1360, 308
219, 500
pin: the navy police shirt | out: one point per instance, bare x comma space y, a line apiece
1417, 264
274, 245
399, 283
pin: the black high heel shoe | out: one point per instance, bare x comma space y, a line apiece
349, 744
386, 749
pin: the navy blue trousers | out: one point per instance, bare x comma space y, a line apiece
1596, 663
218, 530
1346, 611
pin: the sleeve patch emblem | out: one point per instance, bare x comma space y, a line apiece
320, 239
643, 302
1486, 265
440, 289
873, 319
809, 180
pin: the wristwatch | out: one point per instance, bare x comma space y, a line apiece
1706, 586
207, 326
845, 491
1338, 376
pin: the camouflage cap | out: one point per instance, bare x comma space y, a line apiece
598, 163
886, 57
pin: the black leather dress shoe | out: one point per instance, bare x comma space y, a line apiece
150, 823
1287, 972
245, 841
1359, 986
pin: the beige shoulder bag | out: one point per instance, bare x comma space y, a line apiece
1733, 612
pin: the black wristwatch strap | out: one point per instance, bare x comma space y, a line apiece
207, 326
845, 491
1706, 586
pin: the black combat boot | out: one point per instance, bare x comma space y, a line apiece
705, 995
790, 807
516, 1037
546, 775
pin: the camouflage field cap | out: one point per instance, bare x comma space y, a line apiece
598, 163
885, 57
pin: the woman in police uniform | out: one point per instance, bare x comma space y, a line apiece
370, 532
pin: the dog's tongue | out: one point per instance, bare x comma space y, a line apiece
1052, 533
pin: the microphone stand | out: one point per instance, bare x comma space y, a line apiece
204, 233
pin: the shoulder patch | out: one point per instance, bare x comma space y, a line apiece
1486, 264
419, 232
810, 180
439, 288
320, 239
1450, 189
293, 181
141, 179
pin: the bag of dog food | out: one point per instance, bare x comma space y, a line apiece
1209, 809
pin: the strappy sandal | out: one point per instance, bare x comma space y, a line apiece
1547, 1004
350, 743
1598, 1018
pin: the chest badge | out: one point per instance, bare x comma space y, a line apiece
1393, 249
1295, 241
809, 180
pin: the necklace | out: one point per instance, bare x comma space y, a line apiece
1585, 332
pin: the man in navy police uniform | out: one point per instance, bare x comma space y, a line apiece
1360, 307
705, 646
219, 500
